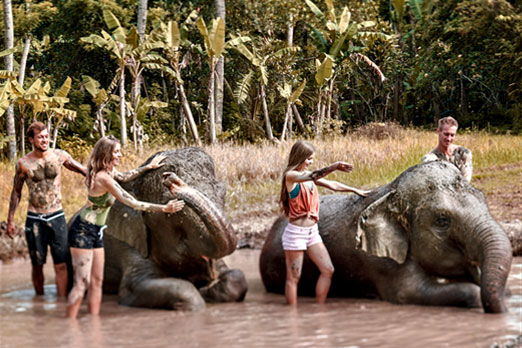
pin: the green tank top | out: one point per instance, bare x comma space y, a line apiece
96, 214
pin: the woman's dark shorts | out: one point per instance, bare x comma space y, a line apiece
84, 235
42, 230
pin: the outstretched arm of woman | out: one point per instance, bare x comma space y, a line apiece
126, 198
317, 174
337, 186
134, 173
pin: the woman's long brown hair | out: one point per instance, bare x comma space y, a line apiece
300, 151
100, 158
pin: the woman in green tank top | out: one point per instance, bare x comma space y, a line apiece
86, 232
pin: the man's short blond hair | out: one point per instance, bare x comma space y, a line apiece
448, 121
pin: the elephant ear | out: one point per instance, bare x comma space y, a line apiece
379, 231
126, 225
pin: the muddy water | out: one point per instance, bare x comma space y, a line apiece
261, 321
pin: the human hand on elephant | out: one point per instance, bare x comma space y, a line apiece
156, 162
174, 206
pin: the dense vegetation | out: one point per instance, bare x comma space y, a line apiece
313, 68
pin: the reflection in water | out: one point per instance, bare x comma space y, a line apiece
263, 320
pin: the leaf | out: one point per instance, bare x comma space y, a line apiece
241, 92
286, 50
373, 35
133, 38
173, 35
344, 21
319, 37
4, 98
416, 8
91, 85
6, 74
246, 52
400, 7
35, 87
324, 72
218, 36
64, 90
9, 51
264, 74
297, 93
338, 44
331, 10
315, 9
111, 20
285, 91
204, 32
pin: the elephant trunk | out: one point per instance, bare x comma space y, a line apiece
495, 256
220, 231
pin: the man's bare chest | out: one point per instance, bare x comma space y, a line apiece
43, 170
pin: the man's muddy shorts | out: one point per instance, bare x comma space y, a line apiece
42, 230
300, 238
84, 235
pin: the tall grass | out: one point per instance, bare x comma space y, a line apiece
252, 172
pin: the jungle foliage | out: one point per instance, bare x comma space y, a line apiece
312, 67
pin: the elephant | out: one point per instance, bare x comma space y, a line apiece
173, 261
426, 238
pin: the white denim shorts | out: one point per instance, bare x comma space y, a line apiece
300, 238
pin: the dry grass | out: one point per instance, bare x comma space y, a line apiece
252, 172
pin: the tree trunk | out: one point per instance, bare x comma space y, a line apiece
287, 114
211, 101
298, 119
188, 114
9, 41
290, 31
123, 121
23, 61
220, 74
268, 126
142, 18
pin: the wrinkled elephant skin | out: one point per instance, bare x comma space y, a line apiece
426, 238
174, 261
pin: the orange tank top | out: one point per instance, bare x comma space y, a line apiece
305, 204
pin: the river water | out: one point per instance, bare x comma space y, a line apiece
262, 320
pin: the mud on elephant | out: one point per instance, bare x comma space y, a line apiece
159, 260
426, 238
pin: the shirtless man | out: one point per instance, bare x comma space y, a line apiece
447, 151
45, 225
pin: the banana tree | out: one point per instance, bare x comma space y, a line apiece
259, 74
116, 45
173, 39
291, 98
100, 97
334, 43
214, 48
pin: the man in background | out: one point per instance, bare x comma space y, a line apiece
446, 151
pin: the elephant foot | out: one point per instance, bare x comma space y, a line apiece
231, 286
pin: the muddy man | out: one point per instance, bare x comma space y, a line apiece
45, 225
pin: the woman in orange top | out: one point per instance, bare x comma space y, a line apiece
300, 202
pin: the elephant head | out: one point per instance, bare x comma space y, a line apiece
188, 242
433, 216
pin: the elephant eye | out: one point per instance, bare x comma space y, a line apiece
443, 221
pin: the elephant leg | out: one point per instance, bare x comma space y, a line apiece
143, 285
231, 286
413, 286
